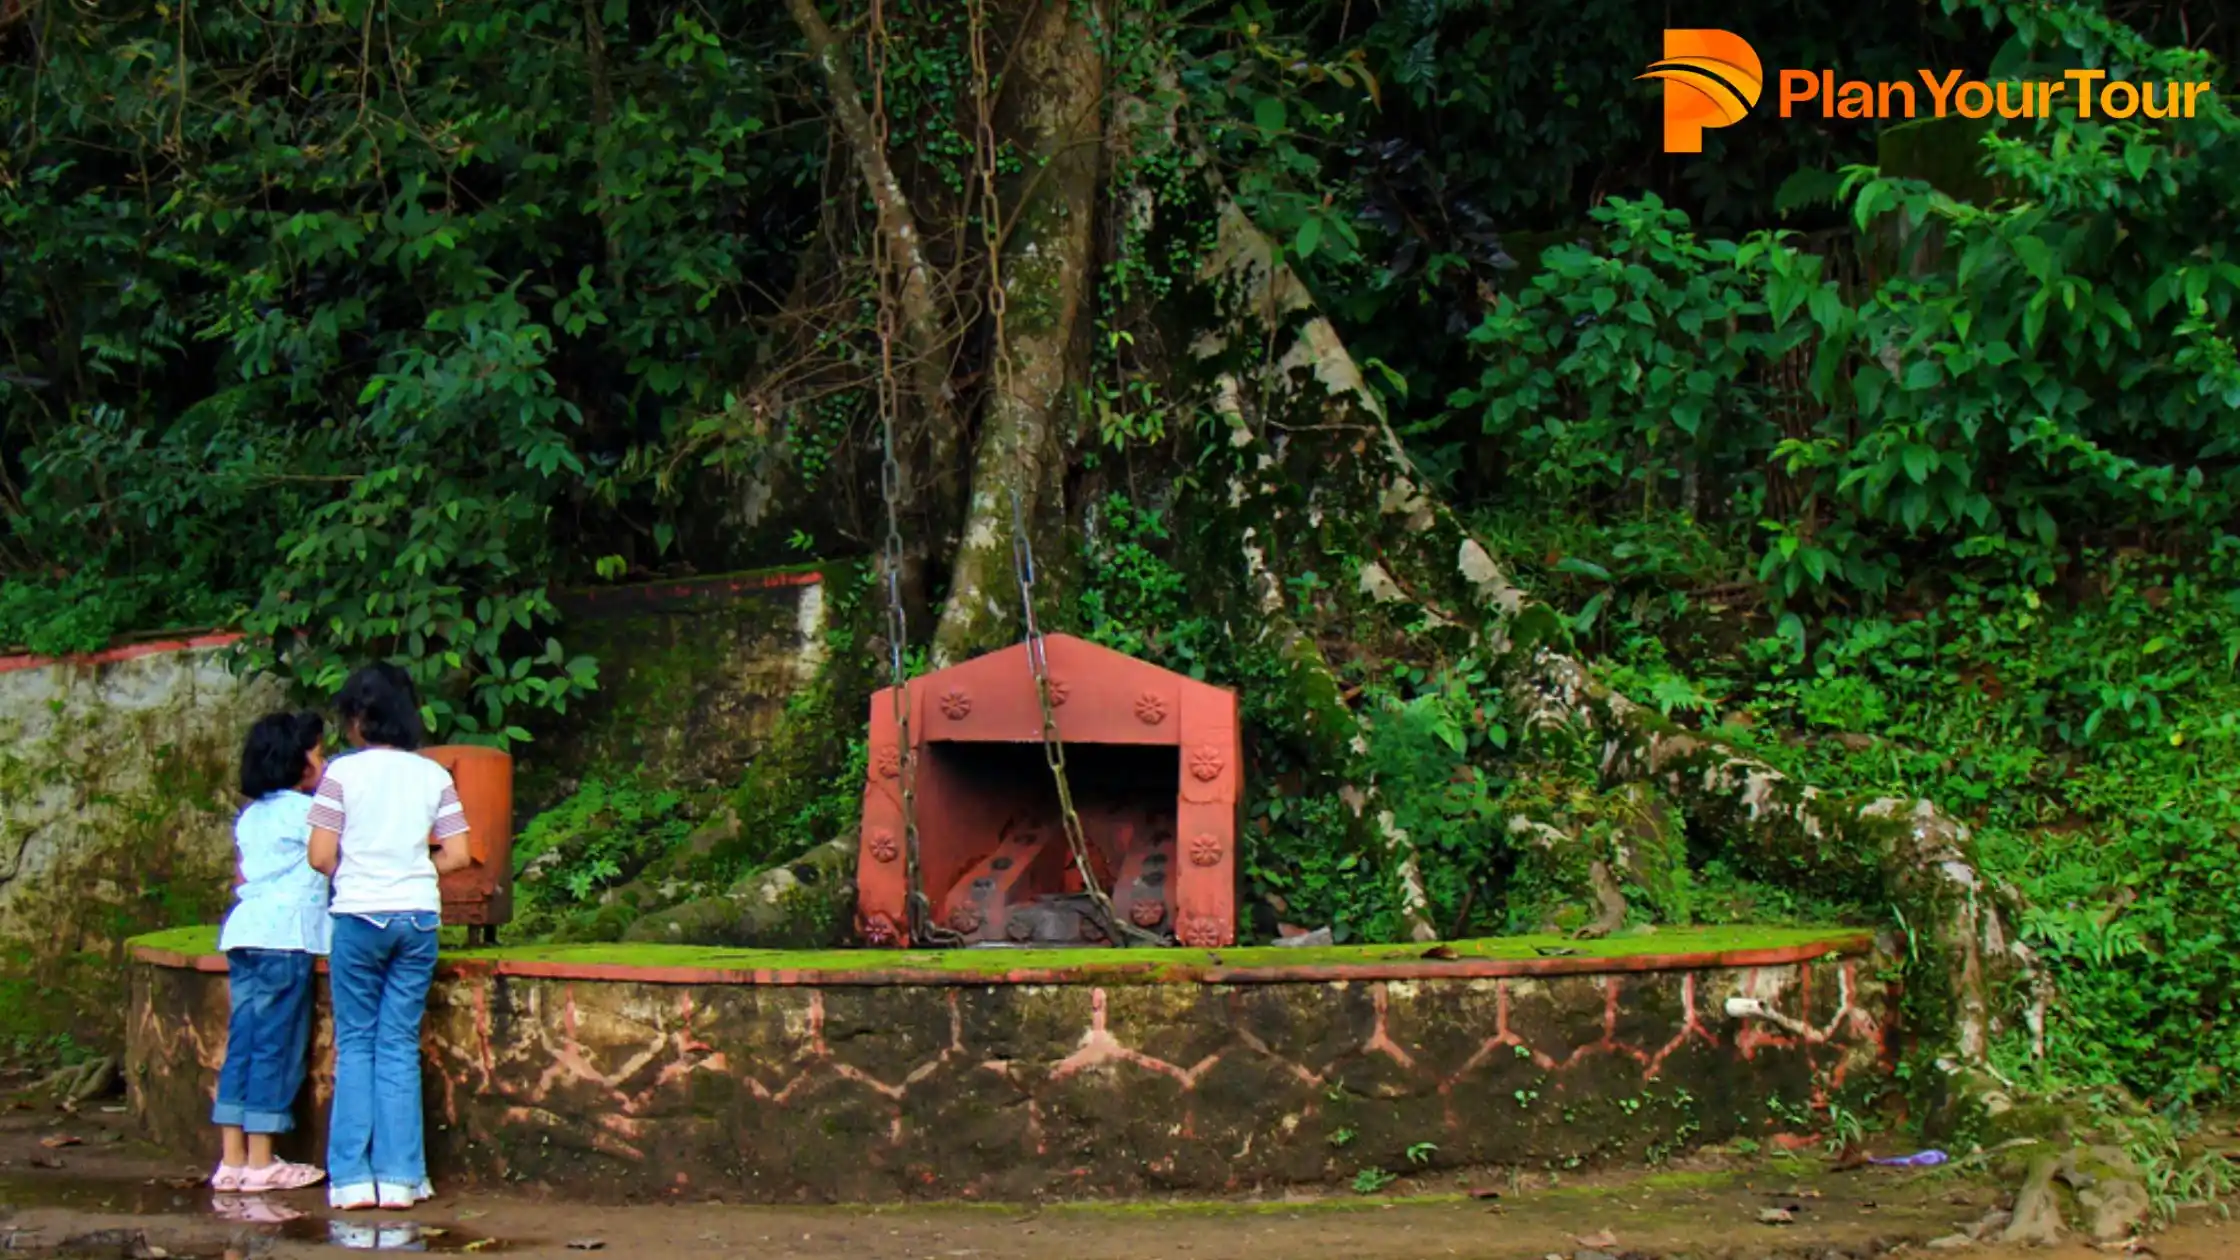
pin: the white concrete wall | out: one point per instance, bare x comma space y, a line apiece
117, 778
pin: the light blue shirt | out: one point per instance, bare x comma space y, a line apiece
282, 903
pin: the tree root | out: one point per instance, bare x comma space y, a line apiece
81, 1082
807, 903
1320, 425
1910, 850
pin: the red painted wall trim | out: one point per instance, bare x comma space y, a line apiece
1131, 971
221, 638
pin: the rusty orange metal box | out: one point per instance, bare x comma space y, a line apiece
1155, 764
481, 896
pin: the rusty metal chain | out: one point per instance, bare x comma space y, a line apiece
918, 923
1022, 553
1053, 749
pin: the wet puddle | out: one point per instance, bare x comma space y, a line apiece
262, 1217
389, 1236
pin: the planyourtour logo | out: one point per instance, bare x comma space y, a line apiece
1711, 79
1714, 79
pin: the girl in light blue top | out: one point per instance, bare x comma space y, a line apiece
278, 926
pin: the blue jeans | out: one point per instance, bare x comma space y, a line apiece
380, 968
267, 1039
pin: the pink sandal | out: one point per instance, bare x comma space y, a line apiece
250, 1210
227, 1180
280, 1175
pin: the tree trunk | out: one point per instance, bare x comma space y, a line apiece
1055, 96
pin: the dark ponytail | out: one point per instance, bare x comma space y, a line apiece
380, 699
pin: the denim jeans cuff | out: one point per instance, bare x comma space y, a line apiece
226, 1114
253, 1121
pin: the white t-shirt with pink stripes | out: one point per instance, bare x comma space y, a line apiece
390, 808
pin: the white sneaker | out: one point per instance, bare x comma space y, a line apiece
355, 1197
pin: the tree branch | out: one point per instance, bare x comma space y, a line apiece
921, 324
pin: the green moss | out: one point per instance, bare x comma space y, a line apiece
1035, 270
790, 798
145, 843
1144, 963
669, 705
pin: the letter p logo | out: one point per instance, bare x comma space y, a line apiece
1711, 79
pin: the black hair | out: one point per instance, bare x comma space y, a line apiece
380, 698
277, 752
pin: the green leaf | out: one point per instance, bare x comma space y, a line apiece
1269, 114
1573, 564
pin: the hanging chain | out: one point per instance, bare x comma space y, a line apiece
1053, 748
1022, 554
918, 923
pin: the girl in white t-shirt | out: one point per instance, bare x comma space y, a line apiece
385, 823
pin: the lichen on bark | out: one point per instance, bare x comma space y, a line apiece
1301, 415
1045, 268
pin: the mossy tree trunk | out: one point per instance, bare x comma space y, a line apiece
930, 428
1054, 96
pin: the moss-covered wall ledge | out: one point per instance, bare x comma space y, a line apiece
627, 1073
1677, 949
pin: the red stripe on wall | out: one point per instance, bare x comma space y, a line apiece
26, 660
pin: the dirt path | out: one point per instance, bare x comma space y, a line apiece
109, 1200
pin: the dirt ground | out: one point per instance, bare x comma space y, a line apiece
103, 1196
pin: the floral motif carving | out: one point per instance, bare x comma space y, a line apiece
1202, 931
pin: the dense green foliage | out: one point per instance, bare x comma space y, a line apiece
1935, 499
363, 326
415, 295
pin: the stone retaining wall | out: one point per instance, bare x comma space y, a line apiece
116, 816
117, 769
663, 1071
693, 677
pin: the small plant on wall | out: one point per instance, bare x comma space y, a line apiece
599, 837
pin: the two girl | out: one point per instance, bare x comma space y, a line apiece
368, 829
